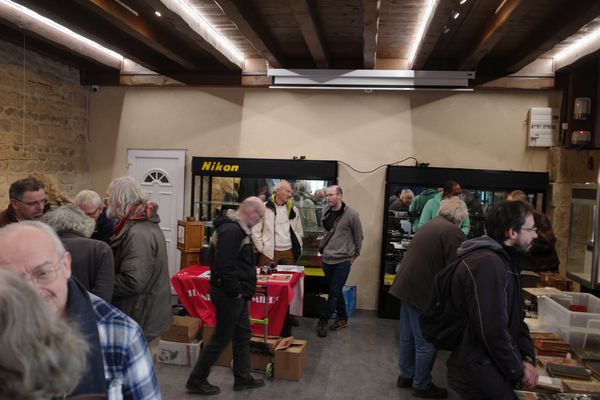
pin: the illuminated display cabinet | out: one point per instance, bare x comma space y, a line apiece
481, 189
583, 248
219, 184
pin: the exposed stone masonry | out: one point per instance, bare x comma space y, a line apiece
43, 121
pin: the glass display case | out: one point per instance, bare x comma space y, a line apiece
582, 251
481, 189
219, 184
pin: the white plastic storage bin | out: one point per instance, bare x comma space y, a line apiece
580, 329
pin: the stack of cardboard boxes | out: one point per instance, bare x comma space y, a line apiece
180, 345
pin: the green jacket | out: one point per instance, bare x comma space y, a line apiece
431, 209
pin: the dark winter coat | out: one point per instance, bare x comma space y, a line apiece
432, 248
488, 362
142, 289
92, 263
233, 267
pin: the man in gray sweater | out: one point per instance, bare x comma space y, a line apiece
340, 246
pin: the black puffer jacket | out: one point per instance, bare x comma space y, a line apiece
486, 285
233, 267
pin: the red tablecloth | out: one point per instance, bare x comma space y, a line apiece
192, 285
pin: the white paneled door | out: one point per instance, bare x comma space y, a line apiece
161, 175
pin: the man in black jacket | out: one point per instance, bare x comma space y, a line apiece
496, 353
233, 282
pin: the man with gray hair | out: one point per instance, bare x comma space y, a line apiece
278, 238
92, 205
92, 263
232, 285
432, 248
142, 288
118, 362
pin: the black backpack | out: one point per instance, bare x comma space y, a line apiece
442, 324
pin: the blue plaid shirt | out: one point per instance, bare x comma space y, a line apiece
128, 367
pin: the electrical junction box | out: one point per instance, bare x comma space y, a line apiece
542, 127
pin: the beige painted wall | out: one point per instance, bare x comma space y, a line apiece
484, 130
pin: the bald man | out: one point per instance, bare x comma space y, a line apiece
233, 282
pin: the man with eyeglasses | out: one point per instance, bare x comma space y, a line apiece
119, 365
496, 354
93, 206
27, 200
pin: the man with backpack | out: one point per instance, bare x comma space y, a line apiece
496, 353
432, 248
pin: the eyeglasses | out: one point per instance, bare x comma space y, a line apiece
534, 229
32, 203
46, 275
93, 213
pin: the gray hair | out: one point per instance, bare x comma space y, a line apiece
280, 184
42, 356
404, 192
125, 192
88, 196
40, 226
70, 217
453, 209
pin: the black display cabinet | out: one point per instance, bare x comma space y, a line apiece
481, 189
221, 183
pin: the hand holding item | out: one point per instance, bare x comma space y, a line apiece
530, 376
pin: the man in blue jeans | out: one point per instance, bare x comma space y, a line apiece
432, 248
339, 247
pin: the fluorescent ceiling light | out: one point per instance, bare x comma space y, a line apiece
48, 22
431, 4
584, 41
210, 30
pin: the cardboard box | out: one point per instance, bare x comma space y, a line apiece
226, 356
177, 353
290, 362
183, 329
260, 355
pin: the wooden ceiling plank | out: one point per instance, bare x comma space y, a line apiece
370, 32
138, 27
255, 34
496, 26
172, 12
434, 32
567, 23
305, 15
87, 23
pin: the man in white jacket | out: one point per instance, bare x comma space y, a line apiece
278, 237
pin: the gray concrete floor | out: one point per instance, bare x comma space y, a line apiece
358, 362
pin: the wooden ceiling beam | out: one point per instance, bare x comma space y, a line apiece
496, 26
307, 21
245, 19
139, 28
87, 23
566, 23
370, 32
434, 32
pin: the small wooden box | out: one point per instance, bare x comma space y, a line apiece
190, 236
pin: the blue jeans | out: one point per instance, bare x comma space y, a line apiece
416, 354
335, 276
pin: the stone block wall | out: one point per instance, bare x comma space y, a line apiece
43, 121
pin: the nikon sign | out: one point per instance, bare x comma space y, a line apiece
218, 166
